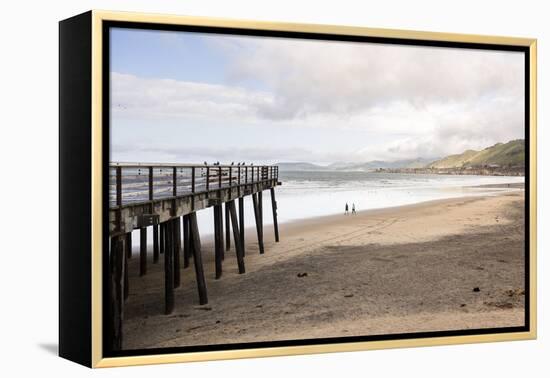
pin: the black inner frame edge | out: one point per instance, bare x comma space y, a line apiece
107, 25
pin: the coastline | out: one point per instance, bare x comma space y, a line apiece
402, 269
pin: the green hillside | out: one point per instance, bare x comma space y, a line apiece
501, 154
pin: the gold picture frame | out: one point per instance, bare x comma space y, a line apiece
92, 25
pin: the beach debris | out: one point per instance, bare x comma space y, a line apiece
515, 292
476, 290
218, 321
259, 306
204, 308
348, 295
501, 305
300, 275
463, 305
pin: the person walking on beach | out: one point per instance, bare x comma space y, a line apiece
347, 209
353, 208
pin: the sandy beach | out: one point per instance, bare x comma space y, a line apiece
440, 265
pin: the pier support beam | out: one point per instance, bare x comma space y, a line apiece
218, 239
127, 248
156, 243
259, 226
116, 291
129, 244
236, 236
261, 209
142, 251
197, 258
162, 237
186, 242
227, 231
168, 268
241, 224
177, 250
274, 208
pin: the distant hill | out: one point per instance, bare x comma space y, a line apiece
504, 155
343, 166
501, 154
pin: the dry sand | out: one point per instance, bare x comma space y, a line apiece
405, 269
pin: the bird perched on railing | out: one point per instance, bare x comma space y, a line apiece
232, 163
205, 163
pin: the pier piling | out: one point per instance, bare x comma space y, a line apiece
142, 251
186, 242
197, 258
227, 229
156, 243
177, 251
162, 240
129, 243
127, 247
168, 269
258, 219
274, 208
116, 291
241, 223
236, 236
218, 239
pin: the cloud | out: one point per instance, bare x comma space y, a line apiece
400, 101
320, 77
225, 155
135, 97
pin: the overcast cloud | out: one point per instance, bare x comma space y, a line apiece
334, 101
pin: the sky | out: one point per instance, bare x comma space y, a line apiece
182, 97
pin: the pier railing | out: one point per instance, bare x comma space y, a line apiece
131, 183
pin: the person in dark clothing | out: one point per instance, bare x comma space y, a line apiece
353, 208
347, 209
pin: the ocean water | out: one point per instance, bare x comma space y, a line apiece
311, 194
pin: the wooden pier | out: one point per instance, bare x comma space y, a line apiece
166, 197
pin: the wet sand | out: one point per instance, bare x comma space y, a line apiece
440, 265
